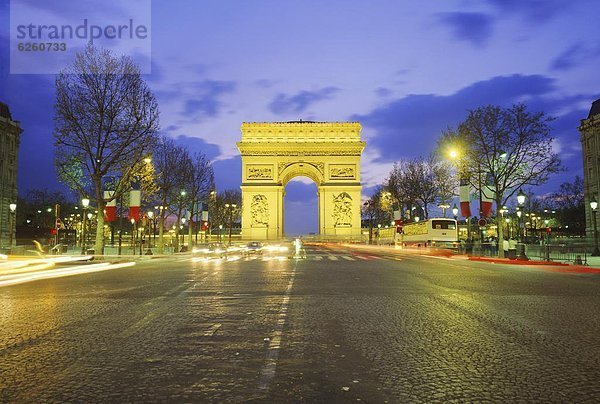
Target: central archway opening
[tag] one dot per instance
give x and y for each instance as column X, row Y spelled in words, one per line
column 301, row 208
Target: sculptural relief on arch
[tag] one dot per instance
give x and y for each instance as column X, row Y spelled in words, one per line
column 273, row 153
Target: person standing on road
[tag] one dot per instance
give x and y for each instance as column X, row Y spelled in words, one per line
column 505, row 246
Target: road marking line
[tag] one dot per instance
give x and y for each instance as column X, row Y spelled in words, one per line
column 333, row 258
column 212, row 330
column 361, row 257
column 348, row 258
column 268, row 371
column 318, row 257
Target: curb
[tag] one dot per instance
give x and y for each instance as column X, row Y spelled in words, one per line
column 517, row 261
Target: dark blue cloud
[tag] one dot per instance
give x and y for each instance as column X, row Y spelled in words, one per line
column 383, row 92
column 228, row 173
column 207, row 101
column 575, row 55
column 198, row 145
column 533, row 10
column 410, row 126
column 299, row 102
column 475, row 28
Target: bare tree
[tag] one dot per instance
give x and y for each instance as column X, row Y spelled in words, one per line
column 420, row 181
column 569, row 204
column 106, row 120
column 203, row 182
column 510, row 147
column 222, row 210
column 373, row 212
column 168, row 160
column 445, row 180
column 397, row 184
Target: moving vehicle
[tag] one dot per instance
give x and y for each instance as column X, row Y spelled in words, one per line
column 210, row 250
column 437, row 232
column 254, row 247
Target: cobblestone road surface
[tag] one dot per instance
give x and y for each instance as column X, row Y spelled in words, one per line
column 344, row 325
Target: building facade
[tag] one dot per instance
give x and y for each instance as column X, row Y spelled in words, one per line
column 10, row 137
column 590, row 147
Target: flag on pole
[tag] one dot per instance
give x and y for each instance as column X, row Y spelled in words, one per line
column 465, row 198
column 135, row 198
column 487, row 197
column 110, row 210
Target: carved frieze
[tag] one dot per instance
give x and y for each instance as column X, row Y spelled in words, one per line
column 259, row 172
column 340, row 171
column 342, row 209
column 259, row 210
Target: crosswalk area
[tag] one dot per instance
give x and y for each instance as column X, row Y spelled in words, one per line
column 310, row 256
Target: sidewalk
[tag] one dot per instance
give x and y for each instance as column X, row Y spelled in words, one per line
column 593, row 263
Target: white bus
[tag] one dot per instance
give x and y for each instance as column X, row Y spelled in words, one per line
column 439, row 232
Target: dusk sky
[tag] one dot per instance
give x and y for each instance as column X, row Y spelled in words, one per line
column 405, row 70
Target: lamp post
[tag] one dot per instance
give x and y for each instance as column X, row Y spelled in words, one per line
column 594, row 206
column 152, row 225
column 13, row 209
column 133, row 235
column 220, row 232
column 181, row 227
column 521, row 202
column 89, row 225
column 230, row 208
column 85, row 203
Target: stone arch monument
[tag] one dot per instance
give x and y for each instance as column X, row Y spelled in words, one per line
column 274, row 153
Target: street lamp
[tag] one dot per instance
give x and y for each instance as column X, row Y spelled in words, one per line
column 132, row 220
column 594, row 206
column 230, row 208
column 220, row 232
column 455, row 211
column 152, row 226
column 444, row 206
column 13, row 209
column 85, row 202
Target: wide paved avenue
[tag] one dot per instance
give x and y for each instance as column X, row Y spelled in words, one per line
column 346, row 324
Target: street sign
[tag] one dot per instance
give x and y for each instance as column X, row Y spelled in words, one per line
column 482, row 222
column 59, row 224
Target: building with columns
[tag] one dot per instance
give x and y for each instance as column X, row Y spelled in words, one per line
column 590, row 147
column 10, row 137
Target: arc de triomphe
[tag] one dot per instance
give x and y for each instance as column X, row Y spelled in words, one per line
column 274, row 153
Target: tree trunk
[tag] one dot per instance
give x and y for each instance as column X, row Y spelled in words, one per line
column 190, row 229
column 161, row 232
column 500, row 228
column 177, row 224
column 99, row 244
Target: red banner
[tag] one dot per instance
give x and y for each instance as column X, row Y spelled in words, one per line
column 134, row 213
column 110, row 213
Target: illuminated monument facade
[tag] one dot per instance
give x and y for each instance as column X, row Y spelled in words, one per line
column 275, row 153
